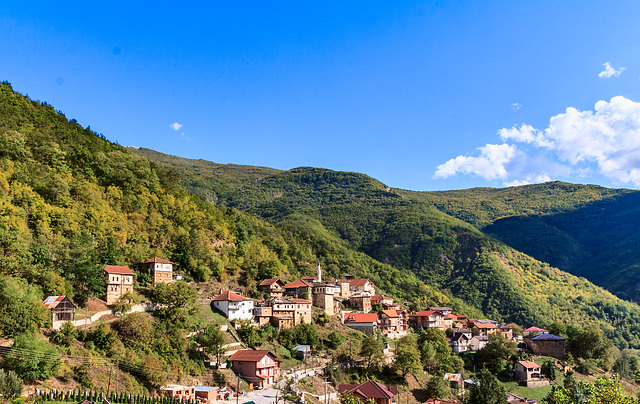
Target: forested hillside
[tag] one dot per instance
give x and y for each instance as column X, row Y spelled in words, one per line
column 586, row 230
column 410, row 233
column 71, row 202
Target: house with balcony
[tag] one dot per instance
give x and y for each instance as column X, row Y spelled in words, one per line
column 260, row 367
column 392, row 323
column 427, row 319
column 233, row 306
column 275, row 287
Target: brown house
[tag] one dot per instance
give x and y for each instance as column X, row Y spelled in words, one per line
column 119, row 282
column 370, row 389
column 298, row 288
column 275, row 287
column 261, row 367
column 62, row 309
column 485, row 329
column 361, row 301
column 548, row 345
column 161, row 271
column 393, row 323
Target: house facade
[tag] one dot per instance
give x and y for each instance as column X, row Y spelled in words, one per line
column 548, row 345
column 62, row 309
column 260, row 367
column 119, row 281
column 527, row 370
column 233, row 306
column 393, row 323
column 275, row 287
column 427, row 319
column 363, row 322
column 362, row 285
column 298, row 289
column 360, row 301
column 323, row 296
column 161, row 270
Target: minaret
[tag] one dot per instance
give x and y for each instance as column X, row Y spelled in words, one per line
column 319, row 277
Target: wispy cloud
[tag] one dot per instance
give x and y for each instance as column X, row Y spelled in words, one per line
column 175, row 126
column 610, row 71
column 516, row 106
column 604, row 141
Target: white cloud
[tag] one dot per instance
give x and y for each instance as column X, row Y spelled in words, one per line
column 610, row 71
column 490, row 165
column 516, row 106
column 175, row 126
column 605, row 141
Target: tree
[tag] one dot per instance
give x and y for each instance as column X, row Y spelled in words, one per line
column 21, row 308
column 177, row 301
column 10, row 384
column 605, row 390
column 371, row 351
column 548, row 370
column 408, row 356
column 212, row 340
column 136, row 330
column 436, row 387
column 348, row 398
column 33, row 358
column 335, row 339
column 488, row 390
column 495, row 355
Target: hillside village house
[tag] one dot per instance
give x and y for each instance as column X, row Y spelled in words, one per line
column 379, row 393
column 384, row 301
column 363, row 322
column 323, row 296
column 527, row 370
column 234, row 306
column 478, row 342
column 547, row 345
column 62, row 309
column 361, row 301
column 485, row 329
column 362, row 285
column 427, row 319
column 161, row 270
column 275, row 287
column 460, row 342
column 260, row 367
column 393, row 323
column 119, row 282
column 535, row 331
column 298, row 288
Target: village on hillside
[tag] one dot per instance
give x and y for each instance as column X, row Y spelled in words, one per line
column 355, row 304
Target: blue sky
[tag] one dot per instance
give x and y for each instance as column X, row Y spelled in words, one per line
column 420, row 95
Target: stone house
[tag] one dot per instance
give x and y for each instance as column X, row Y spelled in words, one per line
column 161, row 270
column 119, row 281
column 548, row 345
column 527, row 370
column 275, row 287
column 361, row 301
column 323, row 296
column 298, row 289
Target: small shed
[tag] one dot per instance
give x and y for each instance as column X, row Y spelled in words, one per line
column 302, row 352
column 62, row 309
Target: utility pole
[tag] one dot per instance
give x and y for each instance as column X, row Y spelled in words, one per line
column 238, row 387
column 117, row 367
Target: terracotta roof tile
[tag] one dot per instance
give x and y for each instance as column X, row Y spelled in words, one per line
column 529, row 364
column 248, row 355
column 360, row 318
column 156, row 259
column 298, row 284
column 229, row 296
column 118, row 269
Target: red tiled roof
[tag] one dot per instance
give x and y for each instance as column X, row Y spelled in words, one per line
column 308, row 278
column 300, row 301
column 391, row 313
column 529, row 364
column 229, row 296
column 424, row 313
column 535, row 329
column 361, row 317
column 379, row 297
column 118, row 269
column 248, row 355
column 298, row 284
column 269, row 282
column 156, row 259
column 359, row 282
column 484, row 325
column 370, row 389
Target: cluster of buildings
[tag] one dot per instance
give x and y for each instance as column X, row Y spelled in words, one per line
column 119, row 278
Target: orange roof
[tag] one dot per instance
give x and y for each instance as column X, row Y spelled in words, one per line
column 118, row 269
column 391, row 313
column 361, row 318
column 424, row 313
column 156, row 259
column 247, row 355
column 298, row 284
column 484, row 325
column 359, row 282
column 529, row 364
column 229, row 296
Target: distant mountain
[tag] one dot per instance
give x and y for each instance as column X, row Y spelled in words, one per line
column 410, row 231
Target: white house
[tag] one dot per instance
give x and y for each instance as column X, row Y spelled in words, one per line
column 234, row 306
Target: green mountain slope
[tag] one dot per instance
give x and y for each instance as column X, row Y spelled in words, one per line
column 71, row 202
column 587, row 230
column 407, row 232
